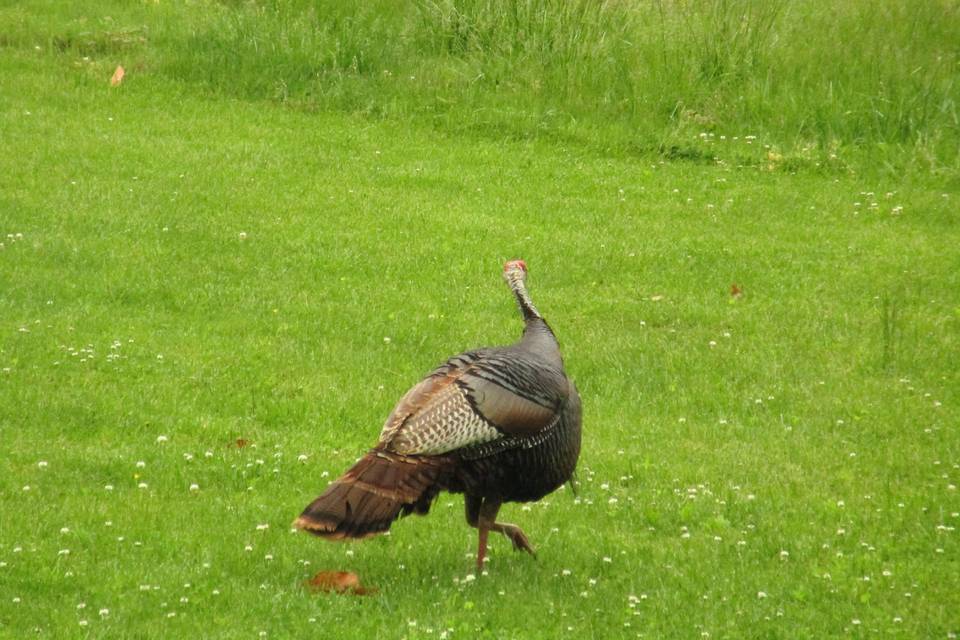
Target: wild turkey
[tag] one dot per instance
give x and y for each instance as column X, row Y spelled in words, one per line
column 498, row 425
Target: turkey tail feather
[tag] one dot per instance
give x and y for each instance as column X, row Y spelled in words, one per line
column 372, row 494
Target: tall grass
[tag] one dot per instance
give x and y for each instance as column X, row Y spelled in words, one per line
column 878, row 76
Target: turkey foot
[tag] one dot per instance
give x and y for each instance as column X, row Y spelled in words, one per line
column 482, row 514
column 516, row 535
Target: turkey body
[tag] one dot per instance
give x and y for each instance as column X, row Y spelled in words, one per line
column 499, row 425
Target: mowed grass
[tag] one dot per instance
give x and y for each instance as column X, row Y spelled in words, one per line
column 181, row 270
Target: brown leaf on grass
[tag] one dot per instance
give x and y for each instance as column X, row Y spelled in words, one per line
column 117, row 77
column 736, row 291
column 339, row 582
column 241, row 443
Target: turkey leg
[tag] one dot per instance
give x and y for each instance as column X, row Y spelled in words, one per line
column 482, row 514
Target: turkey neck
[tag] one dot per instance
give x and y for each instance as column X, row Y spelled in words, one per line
column 537, row 335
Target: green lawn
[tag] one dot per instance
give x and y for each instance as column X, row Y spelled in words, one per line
column 182, row 267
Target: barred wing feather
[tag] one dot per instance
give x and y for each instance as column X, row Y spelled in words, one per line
column 476, row 398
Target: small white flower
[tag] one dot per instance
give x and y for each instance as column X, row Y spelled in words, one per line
column 140, row 463
column 104, row 612
column 263, row 527
column 63, row 552
column 161, row 438
column 302, row 457
column 108, row 487
column 268, row 557
column 64, row 530
column 761, row 594
column 142, row 485
column 42, row 464
column 243, row 235
column 194, row 487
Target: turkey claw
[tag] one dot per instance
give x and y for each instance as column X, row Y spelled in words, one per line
column 519, row 539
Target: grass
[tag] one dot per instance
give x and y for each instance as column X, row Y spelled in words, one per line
column 190, row 260
column 864, row 86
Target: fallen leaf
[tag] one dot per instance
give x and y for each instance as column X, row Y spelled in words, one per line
column 339, row 582
column 736, row 291
column 241, row 443
column 117, row 77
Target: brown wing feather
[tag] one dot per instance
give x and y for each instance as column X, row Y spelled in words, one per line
column 463, row 404
column 511, row 413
